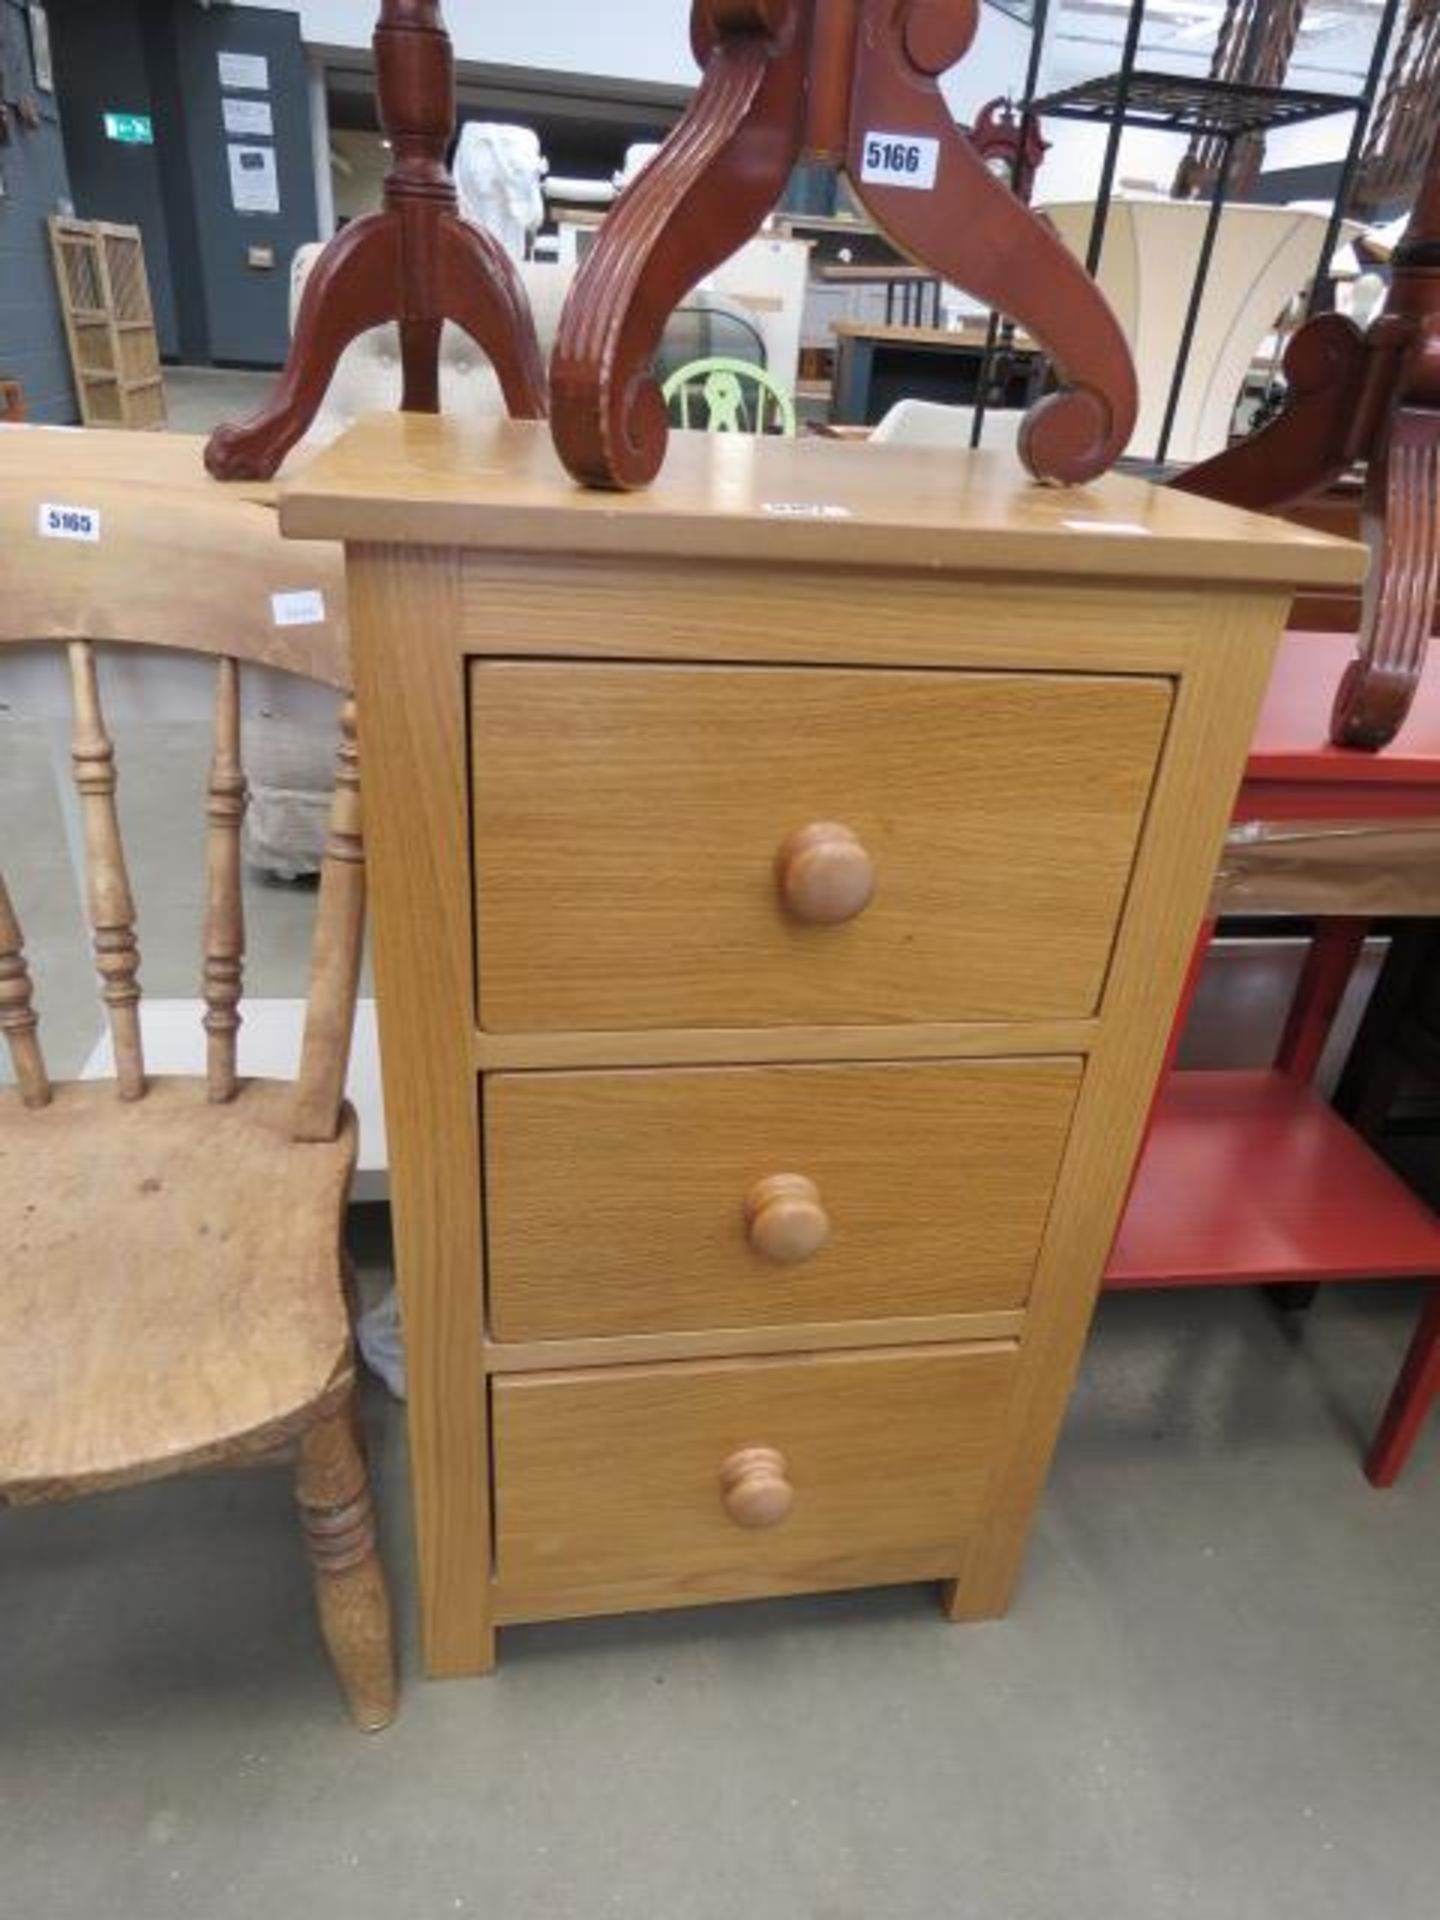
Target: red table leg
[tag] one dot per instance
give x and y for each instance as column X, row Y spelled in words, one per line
column 1415, row 1393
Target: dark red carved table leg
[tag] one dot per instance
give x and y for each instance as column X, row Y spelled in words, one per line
column 418, row 263
column 699, row 199
column 824, row 79
column 973, row 231
column 1373, row 397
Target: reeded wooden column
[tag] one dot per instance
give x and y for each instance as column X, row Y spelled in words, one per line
column 1372, row 396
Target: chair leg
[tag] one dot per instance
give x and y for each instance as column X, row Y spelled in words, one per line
column 1415, row 1393
column 338, row 1518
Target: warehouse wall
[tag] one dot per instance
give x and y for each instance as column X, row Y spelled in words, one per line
column 637, row 40
column 246, row 309
column 100, row 68
column 159, row 57
column 35, row 183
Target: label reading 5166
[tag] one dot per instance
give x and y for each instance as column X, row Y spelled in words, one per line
column 68, row 523
column 900, row 160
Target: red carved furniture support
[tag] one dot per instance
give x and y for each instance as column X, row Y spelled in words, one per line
column 854, row 83
column 1008, row 139
column 417, row 262
column 1371, row 396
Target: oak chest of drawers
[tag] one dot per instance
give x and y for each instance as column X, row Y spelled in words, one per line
column 783, row 882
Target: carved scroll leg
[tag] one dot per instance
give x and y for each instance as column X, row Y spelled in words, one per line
column 702, row 196
column 350, row 1591
column 482, row 292
column 1310, row 441
column 355, row 285
column 970, row 230
column 1402, row 525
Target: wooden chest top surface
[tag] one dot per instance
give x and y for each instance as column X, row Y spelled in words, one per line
column 432, row 481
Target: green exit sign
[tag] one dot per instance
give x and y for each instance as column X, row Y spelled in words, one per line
column 130, row 129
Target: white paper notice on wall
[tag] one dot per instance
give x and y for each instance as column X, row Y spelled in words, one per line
column 301, row 609
column 900, row 160
column 249, row 117
column 254, row 183
column 244, row 72
column 68, row 523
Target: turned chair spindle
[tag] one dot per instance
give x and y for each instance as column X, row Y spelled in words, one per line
column 18, row 1019
column 336, row 953
column 111, row 905
column 224, row 965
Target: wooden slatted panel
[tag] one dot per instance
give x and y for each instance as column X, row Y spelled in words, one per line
column 109, row 323
column 18, row 1019
column 124, row 261
column 224, row 904
column 335, row 957
column 111, row 905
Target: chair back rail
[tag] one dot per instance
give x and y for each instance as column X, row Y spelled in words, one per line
column 173, row 567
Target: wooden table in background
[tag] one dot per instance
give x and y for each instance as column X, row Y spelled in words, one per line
column 877, row 366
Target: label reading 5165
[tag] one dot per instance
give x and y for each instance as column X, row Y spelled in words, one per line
column 68, row 523
column 900, row 160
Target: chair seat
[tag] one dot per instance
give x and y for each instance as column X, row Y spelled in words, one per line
column 170, row 1289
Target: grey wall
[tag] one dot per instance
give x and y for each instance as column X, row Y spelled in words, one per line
column 246, row 313
column 100, row 61
column 159, row 57
column 32, row 167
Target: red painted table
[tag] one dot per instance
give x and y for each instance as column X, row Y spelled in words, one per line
column 1253, row 1176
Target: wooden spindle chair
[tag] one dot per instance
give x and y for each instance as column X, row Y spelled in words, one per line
column 172, row 1289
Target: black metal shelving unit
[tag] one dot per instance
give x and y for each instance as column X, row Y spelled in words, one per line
column 1226, row 110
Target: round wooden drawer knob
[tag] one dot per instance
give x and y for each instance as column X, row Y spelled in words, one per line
column 825, row 875
column 755, row 1487
column 785, row 1219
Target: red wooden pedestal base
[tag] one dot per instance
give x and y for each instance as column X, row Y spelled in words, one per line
column 855, row 83
column 417, row 263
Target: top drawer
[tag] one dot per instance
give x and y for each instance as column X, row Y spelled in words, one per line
column 642, row 860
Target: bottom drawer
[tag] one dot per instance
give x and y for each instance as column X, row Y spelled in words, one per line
column 660, row 1486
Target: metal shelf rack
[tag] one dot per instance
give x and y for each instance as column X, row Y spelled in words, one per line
column 1226, row 110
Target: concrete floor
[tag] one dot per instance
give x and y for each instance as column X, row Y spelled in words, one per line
column 1218, row 1694
column 199, row 398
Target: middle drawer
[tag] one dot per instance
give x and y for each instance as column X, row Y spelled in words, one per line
column 681, row 1200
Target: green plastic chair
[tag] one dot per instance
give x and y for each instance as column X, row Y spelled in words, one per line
column 729, row 408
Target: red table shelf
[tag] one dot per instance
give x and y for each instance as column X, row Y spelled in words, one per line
column 1252, row 1177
